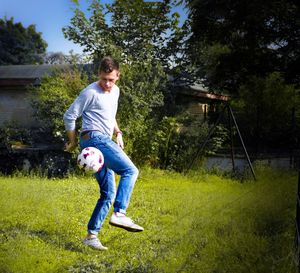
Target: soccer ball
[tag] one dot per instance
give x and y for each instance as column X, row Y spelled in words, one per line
column 90, row 159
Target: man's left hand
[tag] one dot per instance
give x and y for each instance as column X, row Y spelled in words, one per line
column 120, row 140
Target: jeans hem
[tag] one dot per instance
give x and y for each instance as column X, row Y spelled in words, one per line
column 120, row 210
column 93, row 232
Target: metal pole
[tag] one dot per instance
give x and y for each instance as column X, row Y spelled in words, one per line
column 206, row 140
column 231, row 141
column 241, row 139
column 298, row 225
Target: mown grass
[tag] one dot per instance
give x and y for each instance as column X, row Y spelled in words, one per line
column 197, row 223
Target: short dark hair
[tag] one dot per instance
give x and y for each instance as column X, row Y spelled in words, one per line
column 108, row 64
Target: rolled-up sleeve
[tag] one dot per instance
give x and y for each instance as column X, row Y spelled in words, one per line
column 75, row 110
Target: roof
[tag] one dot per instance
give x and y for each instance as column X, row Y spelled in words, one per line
column 23, row 75
column 198, row 90
column 26, row 71
column 203, row 95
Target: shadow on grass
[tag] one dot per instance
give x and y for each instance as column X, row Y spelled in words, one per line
column 58, row 240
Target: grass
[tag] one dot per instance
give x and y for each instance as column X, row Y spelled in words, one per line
column 197, row 223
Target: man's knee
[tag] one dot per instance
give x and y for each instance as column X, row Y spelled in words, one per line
column 108, row 196
column 133, row 170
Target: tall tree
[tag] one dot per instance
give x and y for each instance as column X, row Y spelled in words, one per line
column 138, row 34
column 20, row 45
column 232, row 40
column 252, row 50
column 133, row 29
column 61, row 58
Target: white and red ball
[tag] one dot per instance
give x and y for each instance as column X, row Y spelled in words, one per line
column 90, row 160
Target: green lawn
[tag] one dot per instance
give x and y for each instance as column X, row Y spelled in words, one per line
column 198, row 223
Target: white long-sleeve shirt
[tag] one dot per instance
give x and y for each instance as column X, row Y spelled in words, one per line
column 97, row 108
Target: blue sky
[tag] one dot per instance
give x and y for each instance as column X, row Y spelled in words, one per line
column 49, row 17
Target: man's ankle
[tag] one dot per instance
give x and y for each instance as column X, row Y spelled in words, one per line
column 91, row 236
column 117, row 213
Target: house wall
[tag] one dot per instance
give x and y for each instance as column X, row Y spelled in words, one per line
column 15, row 107
column 198, row 109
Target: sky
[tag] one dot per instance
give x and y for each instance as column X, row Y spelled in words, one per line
column 49, row 17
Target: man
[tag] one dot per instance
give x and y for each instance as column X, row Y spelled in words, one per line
column 97, row 104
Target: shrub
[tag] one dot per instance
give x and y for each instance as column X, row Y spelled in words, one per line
column 150, row 137
column 173, row 142
column 53, row 97
column 265, row 110
column 141, row 85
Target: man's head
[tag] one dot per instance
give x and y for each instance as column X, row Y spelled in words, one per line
column 108, row 73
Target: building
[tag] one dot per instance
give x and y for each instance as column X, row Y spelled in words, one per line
column 15, row 84
column 16, row 111
column 197, row 100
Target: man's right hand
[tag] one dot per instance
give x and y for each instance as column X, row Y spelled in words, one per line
column 72, row 144
column 70, row 147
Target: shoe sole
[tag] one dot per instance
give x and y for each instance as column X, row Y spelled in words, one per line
column 96, row 248
column 131, row 229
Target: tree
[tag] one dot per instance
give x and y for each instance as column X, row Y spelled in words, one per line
column 265, row 112
column 130, row 30
column 251, row 49
column 55, row 58
column 137, row 33
column 61, row 58
column 53, row 97
column 19, row 45
column 232, row 40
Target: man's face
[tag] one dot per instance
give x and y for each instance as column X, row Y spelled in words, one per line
column 107, row 80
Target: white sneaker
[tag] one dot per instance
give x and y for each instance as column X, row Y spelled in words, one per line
column 122, row 221
column 94, row 243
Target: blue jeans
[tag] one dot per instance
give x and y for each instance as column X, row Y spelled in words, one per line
column 115, row 160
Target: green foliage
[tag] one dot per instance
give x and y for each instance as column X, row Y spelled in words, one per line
column 180, row 138
column 209, row 56
column 55, row 58
column 12, row 134
column 146, row 38
column 19, row 45
column 141, row 85
column 134, row 30
column 173, row 142
column 54, row 96
column 269, row 118
column 260, row 37
column 196, row 223
column 150, row 138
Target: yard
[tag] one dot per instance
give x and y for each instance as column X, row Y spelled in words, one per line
column 198, row 223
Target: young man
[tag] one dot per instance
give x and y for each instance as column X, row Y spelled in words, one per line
column 97, row 104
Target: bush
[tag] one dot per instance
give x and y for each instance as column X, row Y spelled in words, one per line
column 53, row 97
column 173, row 142
column 265, row 110
column 141, row 85
column 150, row 137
